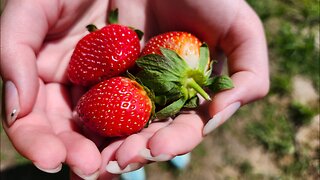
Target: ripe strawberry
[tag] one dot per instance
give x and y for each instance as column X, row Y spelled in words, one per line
column 183, row 43
column 103, row 53
column 180, row 67
column 115, row 107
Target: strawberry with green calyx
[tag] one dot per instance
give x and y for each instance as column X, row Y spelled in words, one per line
column 115, row 107
column 103, row 53
column 169, row 76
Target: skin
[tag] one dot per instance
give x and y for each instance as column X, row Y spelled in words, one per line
column 37, row 40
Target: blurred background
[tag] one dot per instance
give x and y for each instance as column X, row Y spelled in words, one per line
column 274, row 138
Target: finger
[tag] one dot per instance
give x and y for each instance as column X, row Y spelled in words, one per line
column 80, row 150
column 20, row 41
column 83, row 156
column 34, row 138
column 108, row 155
column 245, row 47
column 127, row 156
column 129, row 151
column 74, row 176
column 180, row 137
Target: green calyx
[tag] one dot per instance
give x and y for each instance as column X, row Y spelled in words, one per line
column 113, row 16
column 113, row 19
column 91, row 27
column 175, row 84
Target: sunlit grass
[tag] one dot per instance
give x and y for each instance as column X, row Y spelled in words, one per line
column 292, row 29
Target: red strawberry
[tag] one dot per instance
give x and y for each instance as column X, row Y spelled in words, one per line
column 183, row 43
column 103, row 53
column 180, row 67
column 115, row 107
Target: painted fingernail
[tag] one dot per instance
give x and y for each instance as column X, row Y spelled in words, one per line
column 220, row 117
column 80, row 173
column 114, row 168
column 55, row 170
column 146, row 153
column 12, row 105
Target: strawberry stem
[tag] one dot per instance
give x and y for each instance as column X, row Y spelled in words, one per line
column 194, row 85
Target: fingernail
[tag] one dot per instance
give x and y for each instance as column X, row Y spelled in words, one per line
column 55, row 170
column 114, row 168
column 181, row 161
column 220, row 117
column 80, row 173
column 12, row 106
column 146, row 153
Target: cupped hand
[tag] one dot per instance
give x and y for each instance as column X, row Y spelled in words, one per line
column 232, row 30
column 37, row 39
column 36, row 45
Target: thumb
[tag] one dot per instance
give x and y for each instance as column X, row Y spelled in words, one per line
column 21, row 39
column 20, row 87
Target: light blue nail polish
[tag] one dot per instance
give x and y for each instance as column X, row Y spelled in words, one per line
column 134, row 175
column 181, row 162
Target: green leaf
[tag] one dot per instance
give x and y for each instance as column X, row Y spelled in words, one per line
column 221, row 83
column 192, row 103
column 113, row 16
column 208, row 73
column 177, row 62
column 177, row 65
column 153, row 80
column 204, row 58
column 158, row 63
column 161, row 100
column 171, row 109
column 171, row 96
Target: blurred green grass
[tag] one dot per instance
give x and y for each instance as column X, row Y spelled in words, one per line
column 292, row 29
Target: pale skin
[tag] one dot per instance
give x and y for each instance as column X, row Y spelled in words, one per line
column 38, row 37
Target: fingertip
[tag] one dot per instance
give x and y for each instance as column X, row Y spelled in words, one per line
column 53, row 170
column 128, row 152
column 83, row 156
column 20, row 71
column 19, row 98
column 220, row 117
column 180, row 137
column 12, row 104
column 248, row 87
column 47, row 153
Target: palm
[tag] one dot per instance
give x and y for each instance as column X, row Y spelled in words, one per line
column 56, row 99
column 49, row 125
column 48, row 135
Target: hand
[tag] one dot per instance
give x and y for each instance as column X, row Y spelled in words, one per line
column 229, row 26
column 37, row 39
column 39, row 94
